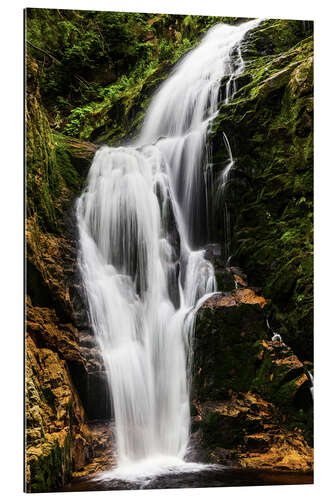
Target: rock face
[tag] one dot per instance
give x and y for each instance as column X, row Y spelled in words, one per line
column 58, row 440
column 251, row 395
column 62, row 359
column 104, row 450
column 269, row 124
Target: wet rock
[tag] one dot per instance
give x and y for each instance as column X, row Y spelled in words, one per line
column 57, row 438
column 235, row 298
column 227, row 327
column 104, row 449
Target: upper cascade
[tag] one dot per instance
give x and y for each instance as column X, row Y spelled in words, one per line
column 181, row 113
column 189, row 96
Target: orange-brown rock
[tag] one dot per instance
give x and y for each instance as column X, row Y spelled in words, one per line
column 245, row 431
column 237, row 297
column 44, row 326
column 104, row 450
column 54, row 258
column 58, row 439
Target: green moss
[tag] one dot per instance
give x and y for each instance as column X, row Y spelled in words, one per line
column 51, row 470
column 227, row 431
column 233, row 331
column 50, row 171
column 97, row 69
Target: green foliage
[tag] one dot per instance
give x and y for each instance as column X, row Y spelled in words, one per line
column 94, row 65
column 72, row 46
column 50, row 172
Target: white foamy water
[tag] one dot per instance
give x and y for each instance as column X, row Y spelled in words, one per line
column 220, row 195
column 141, row 222
column 142, row 472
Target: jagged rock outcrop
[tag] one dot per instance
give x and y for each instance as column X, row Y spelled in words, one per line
column 245, row 431
column 104, row 450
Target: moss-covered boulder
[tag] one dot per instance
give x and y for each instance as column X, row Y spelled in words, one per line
column 227, row 327
column 233, row 356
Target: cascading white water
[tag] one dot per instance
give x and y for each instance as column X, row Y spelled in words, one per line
column 312, row 384
column 140, row 223
column 220, row 196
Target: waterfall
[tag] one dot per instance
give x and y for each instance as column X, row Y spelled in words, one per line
column 142, row 222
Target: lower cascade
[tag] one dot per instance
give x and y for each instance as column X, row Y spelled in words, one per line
column 142, row 225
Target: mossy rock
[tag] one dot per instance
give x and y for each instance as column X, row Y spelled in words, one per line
column 52, row 469
column 225, row 431
column 223, row 350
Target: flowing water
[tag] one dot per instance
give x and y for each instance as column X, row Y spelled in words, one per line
column 142, row 223
column 221, row 199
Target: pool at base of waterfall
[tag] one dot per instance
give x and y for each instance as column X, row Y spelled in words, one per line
column 188, row 475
